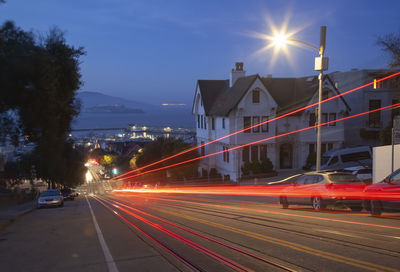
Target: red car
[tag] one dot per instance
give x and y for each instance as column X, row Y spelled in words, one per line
column 384, row 195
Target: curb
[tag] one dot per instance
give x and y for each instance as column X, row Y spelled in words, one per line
column 15, row 218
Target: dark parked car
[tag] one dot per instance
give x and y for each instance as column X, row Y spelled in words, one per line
column 67, row 194
column 320, row 189
column 384, row 195
column 50, row 198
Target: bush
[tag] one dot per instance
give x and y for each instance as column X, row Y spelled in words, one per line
column 310, row 161
column 256, row 167
column 266, row 165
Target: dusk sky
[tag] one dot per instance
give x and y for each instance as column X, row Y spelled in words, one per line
column 155, row 51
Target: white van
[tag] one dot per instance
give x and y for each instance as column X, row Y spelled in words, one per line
column 347, row 157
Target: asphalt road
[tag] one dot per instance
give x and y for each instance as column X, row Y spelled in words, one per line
column 160, row 232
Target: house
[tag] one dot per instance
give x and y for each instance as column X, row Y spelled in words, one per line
column 365, row 129
column 222, row 107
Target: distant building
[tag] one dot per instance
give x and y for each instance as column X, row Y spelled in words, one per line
column 222, row 107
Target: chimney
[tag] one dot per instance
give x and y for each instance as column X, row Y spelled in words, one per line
column 237, row 73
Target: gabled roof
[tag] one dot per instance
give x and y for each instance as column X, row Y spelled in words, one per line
column 289, row 93
column 210, row 90
column 230, row 97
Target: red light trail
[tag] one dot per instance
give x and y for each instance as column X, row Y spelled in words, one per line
column 260, row 141
column 202, row 236
column 228, row 262
column 274, row 212
column 260, row 124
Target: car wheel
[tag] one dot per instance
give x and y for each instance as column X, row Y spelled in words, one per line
column 376, row 207
column 356, row 208
column 284, row 202
column 317, row 203
column 367, row 205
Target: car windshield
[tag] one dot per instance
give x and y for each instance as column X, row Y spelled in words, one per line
column 343, row 178
column 50, row 193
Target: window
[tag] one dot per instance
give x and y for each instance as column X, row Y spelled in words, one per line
column 246, row 123
column 201, row 118
column 245, row 154
column 205, row 122
column 312, row 120
column 223, row 153
column 223, row 122
column 332, row 117
column 254, row 153
column 203, row 149
column 324, row 118
column 311, row 148
column 377, row 85
column 263, row 152
column 357, row 156
column 198, row 121
column 374, row 118
column 256, row 96
column 330, row 146
column 334, row 160
column 256, row 121
column 323, row 148
column 212, row 123
column 264, row 127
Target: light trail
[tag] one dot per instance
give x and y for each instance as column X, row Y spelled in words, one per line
column 226, row 261
column 260, row 141
column 162, row 245
column 205, row 237
column 260, row 124
column 274, row 212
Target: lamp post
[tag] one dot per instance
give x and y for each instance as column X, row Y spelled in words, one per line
column 321, row 64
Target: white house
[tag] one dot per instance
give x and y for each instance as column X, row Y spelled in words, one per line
column 222, row 107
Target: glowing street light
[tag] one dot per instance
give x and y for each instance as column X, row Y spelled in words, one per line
column 321, row 64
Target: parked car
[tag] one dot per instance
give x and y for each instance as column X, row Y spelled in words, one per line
column 364, row 174
column 320, row 189
column 346, row 157
column 67, row 194
column 384, row 195
column 75, row 193
column 50, row 198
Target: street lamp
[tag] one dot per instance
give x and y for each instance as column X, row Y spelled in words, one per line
column 321, row 64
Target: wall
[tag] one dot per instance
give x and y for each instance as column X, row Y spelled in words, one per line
column 382, row 161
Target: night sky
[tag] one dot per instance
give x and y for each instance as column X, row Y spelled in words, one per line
column 154, row 51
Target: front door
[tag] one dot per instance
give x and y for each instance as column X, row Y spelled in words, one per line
column 286, row 156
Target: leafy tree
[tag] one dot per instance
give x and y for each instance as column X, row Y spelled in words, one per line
column 164, row 147
column 39, row 77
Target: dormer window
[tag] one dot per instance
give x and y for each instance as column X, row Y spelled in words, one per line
column 256, row 96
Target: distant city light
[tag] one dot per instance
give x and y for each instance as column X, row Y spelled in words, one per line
column 169, row 104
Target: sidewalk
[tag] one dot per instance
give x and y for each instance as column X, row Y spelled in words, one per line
column 11, row 213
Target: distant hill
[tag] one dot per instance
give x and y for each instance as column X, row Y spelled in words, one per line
column 96, row 99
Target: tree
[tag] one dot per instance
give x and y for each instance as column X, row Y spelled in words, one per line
column 39, row 77
column 390, row 43
column 164, row 147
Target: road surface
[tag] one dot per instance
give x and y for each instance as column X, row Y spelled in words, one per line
column 167, row 232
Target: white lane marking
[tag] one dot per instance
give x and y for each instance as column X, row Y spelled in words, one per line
column 107, row 254
column 339, row 233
